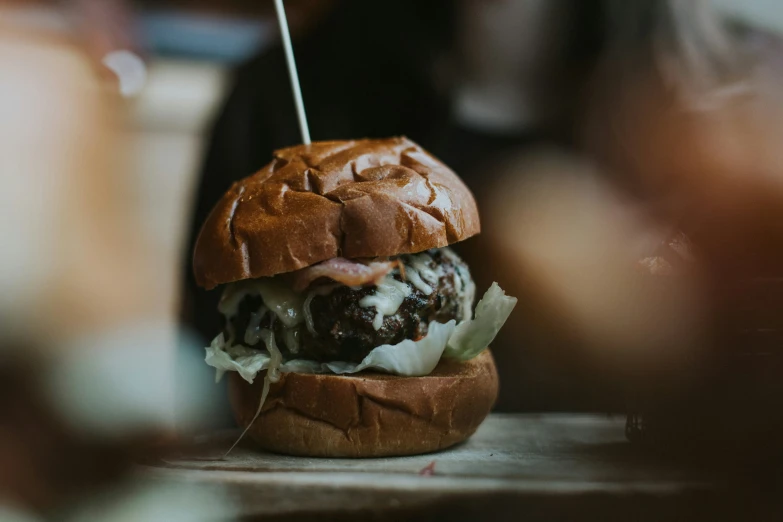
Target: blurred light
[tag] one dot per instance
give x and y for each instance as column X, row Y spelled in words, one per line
column 130, row 70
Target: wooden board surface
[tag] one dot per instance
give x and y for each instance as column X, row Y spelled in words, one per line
column 513, row 461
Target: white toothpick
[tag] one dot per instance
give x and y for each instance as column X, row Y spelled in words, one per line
column 289, row 55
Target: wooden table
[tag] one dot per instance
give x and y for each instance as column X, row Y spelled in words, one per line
column 517, row 467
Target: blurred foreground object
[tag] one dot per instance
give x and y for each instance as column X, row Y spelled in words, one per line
column 71, row 245
column 570, row 243
column 689, row 116
column 87, row 344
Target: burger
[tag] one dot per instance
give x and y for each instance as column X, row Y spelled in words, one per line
column 350, row 328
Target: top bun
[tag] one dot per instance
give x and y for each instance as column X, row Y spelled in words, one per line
column 362, row 198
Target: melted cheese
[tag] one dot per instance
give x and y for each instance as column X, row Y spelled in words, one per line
column 229, row 301
column 229, row 306
column 320, row 290
column 414, row 278
column 292, row 340
column 388, row 296
column 308, row 314
column 293, row 309
column 422, row 263
column 253, row 332
column 420, row 273
column 283, row 302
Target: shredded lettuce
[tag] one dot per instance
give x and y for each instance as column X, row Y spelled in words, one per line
column 248, row 362
column 408, row 358
column 237, row 358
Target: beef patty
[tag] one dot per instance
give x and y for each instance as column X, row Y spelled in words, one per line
column 343, row 330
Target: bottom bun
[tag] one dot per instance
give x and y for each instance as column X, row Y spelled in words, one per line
column 368, row 414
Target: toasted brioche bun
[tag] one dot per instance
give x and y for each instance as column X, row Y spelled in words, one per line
column 355, row 199
column 368, row 414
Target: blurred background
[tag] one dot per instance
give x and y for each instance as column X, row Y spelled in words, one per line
column 624, row 156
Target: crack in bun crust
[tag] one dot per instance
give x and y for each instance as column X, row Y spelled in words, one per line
column 355, row 199
column 368, row 414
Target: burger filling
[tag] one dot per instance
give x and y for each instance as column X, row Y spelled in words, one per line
column 341, row 310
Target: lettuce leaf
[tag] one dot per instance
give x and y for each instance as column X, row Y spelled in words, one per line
column 472, row 337
column 408, row 358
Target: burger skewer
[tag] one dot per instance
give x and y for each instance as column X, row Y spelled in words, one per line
column 292, row 72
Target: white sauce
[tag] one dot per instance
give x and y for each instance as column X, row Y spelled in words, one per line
column 422, row 264
column 419, row 272
column 413, row 277
column 386, row 300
